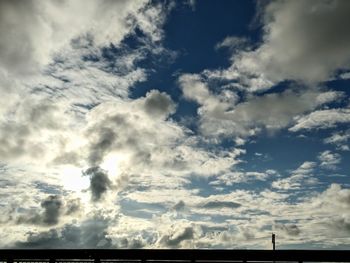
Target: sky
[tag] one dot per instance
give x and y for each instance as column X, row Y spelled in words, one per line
column 175, row 124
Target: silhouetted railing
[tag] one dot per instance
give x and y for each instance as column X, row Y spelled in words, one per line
column 169, row 256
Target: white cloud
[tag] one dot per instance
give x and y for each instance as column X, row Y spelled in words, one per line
column 339, row 139
column 329, row 160
column 300, row 177
column 36, row 31
column 75, row 114
column 345, row 75
column 50, row 94
column 220, row 114
column 232, row 178
column 321, row 119
column 232, row 43
column 303, row 41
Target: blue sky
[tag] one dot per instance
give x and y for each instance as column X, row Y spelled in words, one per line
column 174, row 124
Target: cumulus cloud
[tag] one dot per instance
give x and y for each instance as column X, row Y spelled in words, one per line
column 303, row 41
column 43, row 114
column 73, row 128
column 158, row 104
column 336, row 195
column 177, row 236
column 143, row 132
column 91, row 233
column 99, row 182
column 220, row 114
column 52, row 206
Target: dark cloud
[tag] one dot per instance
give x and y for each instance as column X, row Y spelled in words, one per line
column 47, row 239
column 289, row 229
column 72, row 206
column 99, row 182
column 91, row 233
column 247, row 233
column 29, row 218
column 131, row 127
column 220, row 204
column 117, row 131
column 175, row 239
column 158, row 104
column 105, row 141
column 130, row 243
column 52, row 208
column 340, row 224
column 179, row 206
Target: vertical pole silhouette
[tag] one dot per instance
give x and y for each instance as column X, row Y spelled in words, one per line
column 273, row 243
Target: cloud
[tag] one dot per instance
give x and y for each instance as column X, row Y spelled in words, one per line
column 177, row 237
column 67, row 108
column 91, row 233
column 191, row 3
column 236, row 177
column 345, row 75
column 300, row 177
column 336, row 195
column 220, row 204
column 73, row 206
column 99, row 182
column 142, row 133
column 340, row 224
column 35, row 32
column 321, row 119
column 339, row 139
column 305, row 220
column 329, row 160
column 233, row 43
column 303, row 41
column 52, row 206
column 52, row 209
column 289, row 229
column 179, row 206
column 33, row 122
column 221, row 115
column 49, row 89
column 158, row 104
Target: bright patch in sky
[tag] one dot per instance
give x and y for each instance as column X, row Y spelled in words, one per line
column 174, row 124
column 72, row 179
